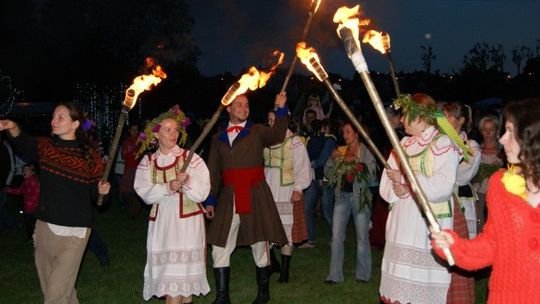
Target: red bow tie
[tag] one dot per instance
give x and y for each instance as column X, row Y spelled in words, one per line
column 234, row 129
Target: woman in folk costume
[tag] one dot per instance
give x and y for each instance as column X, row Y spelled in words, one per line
column 509, row 241
column 175, row 265
column 462, row 288
column 350, row 170
column 410, row 272
column 287, row 172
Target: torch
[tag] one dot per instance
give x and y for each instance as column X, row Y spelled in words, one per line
column 253, row 79
column 140, row 84
column 312, row 10
column 309, row 57
column 348, row 30
column 381, row 42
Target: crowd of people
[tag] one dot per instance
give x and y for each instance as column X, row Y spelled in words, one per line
column 263, row 185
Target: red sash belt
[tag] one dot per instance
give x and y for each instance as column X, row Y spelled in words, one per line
column 242, row 180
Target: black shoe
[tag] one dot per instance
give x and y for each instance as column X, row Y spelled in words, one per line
column 330, row 282
column 284, row 273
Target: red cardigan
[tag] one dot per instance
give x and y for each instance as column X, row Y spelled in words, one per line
column 510, row 243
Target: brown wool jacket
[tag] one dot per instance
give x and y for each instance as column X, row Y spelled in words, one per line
column 263, row 223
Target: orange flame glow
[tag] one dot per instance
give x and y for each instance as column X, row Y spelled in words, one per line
column 349, row 18
column 316, row 4
column 252, row 80
column 378, row 40
column 309, row 57
column 144, row 83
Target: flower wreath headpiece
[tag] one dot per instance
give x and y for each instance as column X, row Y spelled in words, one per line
column 411, row 110
column 147, row 139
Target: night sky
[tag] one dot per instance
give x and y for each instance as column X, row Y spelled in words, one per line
column 236, row 34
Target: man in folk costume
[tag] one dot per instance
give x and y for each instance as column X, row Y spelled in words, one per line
column 288, row 173
column 240, row 204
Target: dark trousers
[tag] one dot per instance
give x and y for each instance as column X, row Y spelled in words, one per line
column 98, row 247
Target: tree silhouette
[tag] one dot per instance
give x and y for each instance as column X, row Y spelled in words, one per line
column 427, row 57
column 520, row 55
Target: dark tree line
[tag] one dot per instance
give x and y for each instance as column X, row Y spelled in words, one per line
column 49, row 45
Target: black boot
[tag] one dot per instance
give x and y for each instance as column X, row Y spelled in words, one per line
column 285, row 263
column 263, row 278
column 222, row 285
column 274, row 264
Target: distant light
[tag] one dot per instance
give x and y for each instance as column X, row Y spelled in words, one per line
column 427, row 36
column 311, row 77
column 222, row 78
column 451, row 77
column 340, row 80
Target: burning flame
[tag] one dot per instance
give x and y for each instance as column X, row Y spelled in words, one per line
column 378, row 40
column 309, row 57
column 280, row 55
column 350, row 18
column 143, row 83
column 253, row 79
column 315, row 5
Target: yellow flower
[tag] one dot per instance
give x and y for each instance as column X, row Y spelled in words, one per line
column 514, row 182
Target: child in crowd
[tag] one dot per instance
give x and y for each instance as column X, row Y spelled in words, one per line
column 30, row 190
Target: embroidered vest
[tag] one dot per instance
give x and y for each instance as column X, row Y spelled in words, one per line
column 422, row 163
column 280, row 156
column 163, row 175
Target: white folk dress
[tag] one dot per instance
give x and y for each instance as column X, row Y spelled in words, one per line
column 282, row 190
column 410, row 273
column 466, row 171
column 176, row 263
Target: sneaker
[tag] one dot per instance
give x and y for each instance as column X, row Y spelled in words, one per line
column 307, row 245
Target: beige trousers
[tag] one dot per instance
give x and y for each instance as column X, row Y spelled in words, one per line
column 222, row 255
column 58, row 259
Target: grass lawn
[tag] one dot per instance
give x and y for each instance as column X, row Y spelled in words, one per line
column 122, row 281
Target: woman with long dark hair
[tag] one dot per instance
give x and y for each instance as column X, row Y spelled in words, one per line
column 70, row 172
column 510, row 241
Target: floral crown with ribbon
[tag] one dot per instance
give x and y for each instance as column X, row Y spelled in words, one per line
column 412, row 110
column 147, row 139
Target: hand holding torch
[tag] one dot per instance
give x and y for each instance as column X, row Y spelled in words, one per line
column 140, row 84
column 348, row 30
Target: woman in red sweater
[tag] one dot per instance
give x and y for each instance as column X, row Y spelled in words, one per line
column 510, row 241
